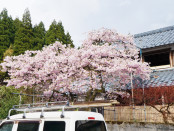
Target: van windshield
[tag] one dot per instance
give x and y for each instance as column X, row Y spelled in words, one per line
column 90, row 125
column 28, row 126
column 7, row 126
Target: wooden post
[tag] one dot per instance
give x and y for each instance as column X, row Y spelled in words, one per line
column 172, row 53
column 143, row 60
column 171, row 58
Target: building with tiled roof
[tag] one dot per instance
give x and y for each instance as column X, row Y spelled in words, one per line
column 157, row 47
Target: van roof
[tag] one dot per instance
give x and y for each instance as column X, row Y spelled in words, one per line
column 73, row 115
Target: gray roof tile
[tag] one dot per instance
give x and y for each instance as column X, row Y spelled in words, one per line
column 159, row 37
column 158, row 78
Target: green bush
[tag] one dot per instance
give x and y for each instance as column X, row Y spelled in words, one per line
column 7, row 100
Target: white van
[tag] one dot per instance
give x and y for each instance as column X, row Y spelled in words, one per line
column 54, row 121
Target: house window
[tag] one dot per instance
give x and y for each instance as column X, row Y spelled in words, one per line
column 157, row 59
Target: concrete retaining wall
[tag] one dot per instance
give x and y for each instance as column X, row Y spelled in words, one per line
column 139, row 127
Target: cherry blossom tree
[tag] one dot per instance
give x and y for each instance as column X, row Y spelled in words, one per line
column 105, row 61
column 110, row 58
column 49, row 70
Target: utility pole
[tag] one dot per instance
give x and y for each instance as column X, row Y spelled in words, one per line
column 144, row 103
column 132, row 88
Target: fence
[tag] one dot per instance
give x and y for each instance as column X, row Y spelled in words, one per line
column 138, row 114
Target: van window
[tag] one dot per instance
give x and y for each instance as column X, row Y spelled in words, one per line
column 89, row 125
column 7, row 126
column 54, row 126
column 28, row 126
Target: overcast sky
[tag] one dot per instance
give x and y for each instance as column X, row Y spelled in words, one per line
column 81, row 16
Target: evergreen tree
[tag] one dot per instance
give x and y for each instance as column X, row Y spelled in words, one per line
column 39, row 36
column 24, row 35
column 69, row 41
column 6, row 32
column 17, row 24
column 51, row 34
column 56, row 32
column 61, row 32
column 27, row 19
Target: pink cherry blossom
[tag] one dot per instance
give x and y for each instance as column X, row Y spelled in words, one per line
column 105, row 60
